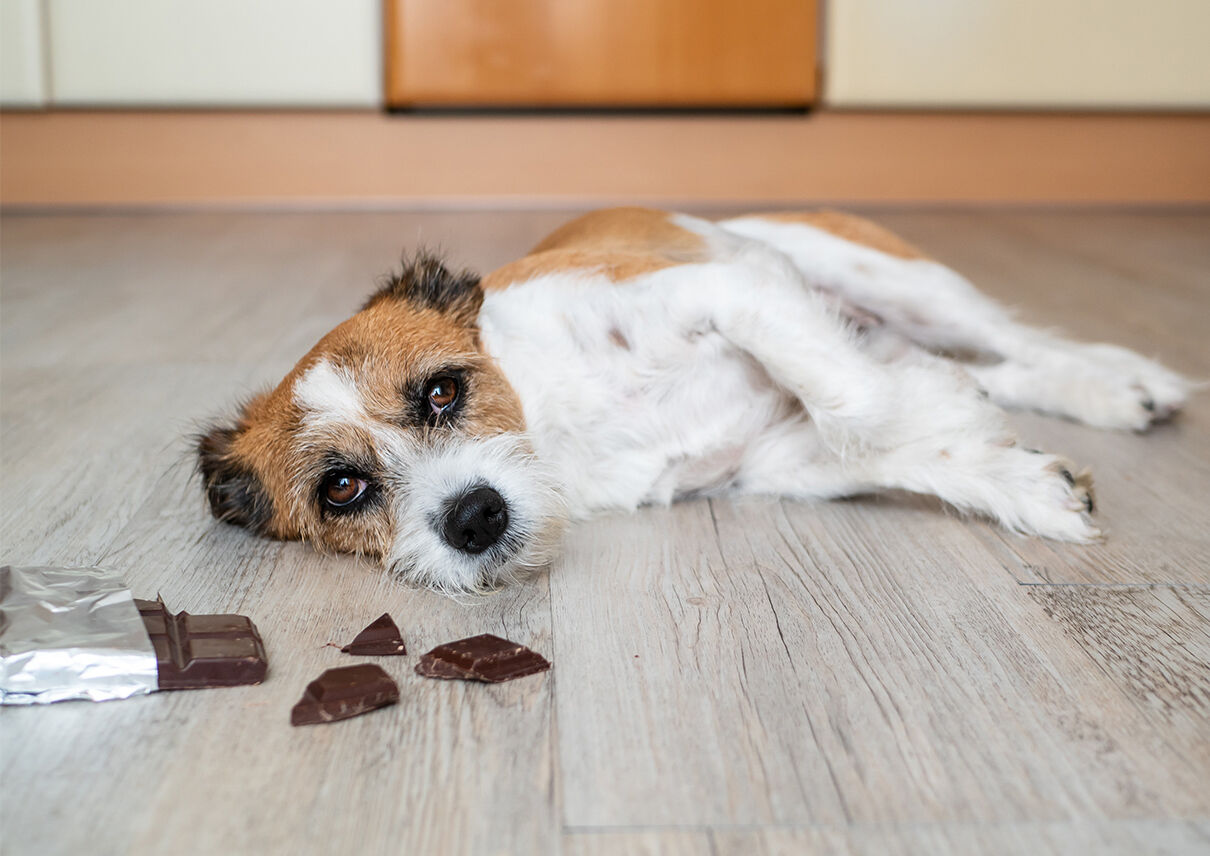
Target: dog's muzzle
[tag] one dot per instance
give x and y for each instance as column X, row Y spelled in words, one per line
column 475, row 520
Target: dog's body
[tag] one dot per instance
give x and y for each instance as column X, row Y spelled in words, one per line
column 637, row 357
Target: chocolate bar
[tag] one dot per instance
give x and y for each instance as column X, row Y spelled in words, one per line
column 199, row 651
column 341, row 693
column 481, row 658
column 381, row 638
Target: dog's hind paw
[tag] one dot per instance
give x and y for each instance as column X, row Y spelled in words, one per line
column 1119, row 389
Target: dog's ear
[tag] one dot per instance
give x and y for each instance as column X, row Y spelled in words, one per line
column 426, row 283
column 235, row 492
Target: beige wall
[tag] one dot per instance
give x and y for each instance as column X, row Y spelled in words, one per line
column 1005, row 53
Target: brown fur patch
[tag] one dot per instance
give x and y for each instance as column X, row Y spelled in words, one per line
column 617, row 266
column 627, row 229
column 850, row 227
column 388, row 348
column 621, row 243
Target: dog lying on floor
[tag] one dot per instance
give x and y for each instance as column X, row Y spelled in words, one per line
column 453, row 425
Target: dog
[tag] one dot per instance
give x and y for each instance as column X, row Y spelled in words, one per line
column 453, row 426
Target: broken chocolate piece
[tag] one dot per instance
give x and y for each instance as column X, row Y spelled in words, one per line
column 344, row 692
column 381, row 638
column 481, row 658
column 200, row 651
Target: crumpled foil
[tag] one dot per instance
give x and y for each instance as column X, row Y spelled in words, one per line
column 71, row 633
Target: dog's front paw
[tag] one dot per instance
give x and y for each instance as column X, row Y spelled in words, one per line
column 1055, row 500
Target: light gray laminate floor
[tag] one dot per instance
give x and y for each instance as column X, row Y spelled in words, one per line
column 873, row 676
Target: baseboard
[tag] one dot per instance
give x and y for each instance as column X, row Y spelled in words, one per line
column 374, row 160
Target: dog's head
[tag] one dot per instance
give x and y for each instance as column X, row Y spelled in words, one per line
column 396, row 437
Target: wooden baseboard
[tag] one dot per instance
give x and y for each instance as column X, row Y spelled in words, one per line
column 372, row 159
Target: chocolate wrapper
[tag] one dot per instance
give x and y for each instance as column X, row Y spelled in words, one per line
column 70, row 633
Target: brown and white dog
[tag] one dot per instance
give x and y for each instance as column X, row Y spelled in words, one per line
column 453, row 425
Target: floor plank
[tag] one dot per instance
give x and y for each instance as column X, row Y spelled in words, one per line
column 1119, row 838
column 1154, row 643
column 703, row 729
column 647, row 843
column 1057, row 838
column 82, row 450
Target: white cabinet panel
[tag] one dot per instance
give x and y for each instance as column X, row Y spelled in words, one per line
column 1046, row 53
column 216, row 52
column 22, row 82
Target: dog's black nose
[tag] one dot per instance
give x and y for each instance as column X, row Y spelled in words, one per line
column 475, row 520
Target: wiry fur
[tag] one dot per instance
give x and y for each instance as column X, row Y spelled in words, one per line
column 430, row 475
column 425, row 281
column 233, row 490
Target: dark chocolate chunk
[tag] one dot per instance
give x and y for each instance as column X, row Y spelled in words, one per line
column 344, row 692
column 481, row 658
column 380, row 638
column 199, row 651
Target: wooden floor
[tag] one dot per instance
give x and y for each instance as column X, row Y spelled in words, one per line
column 758, row 677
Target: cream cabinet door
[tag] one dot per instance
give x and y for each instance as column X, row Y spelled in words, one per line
column 22, row 80
column 1018, row 53
column 217, row 53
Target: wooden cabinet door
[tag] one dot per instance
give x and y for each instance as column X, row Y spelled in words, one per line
column 601, row 52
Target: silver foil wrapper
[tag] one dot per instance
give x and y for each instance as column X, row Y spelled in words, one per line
column 70, row 633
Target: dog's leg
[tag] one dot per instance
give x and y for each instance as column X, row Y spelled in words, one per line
column 1030, row 492
column 917, row 423
column 1100, row 385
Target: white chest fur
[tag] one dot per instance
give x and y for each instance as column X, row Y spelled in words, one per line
column 630, row 400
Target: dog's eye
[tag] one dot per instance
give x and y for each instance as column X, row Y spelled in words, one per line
column 341, row 489
column 442, row 393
